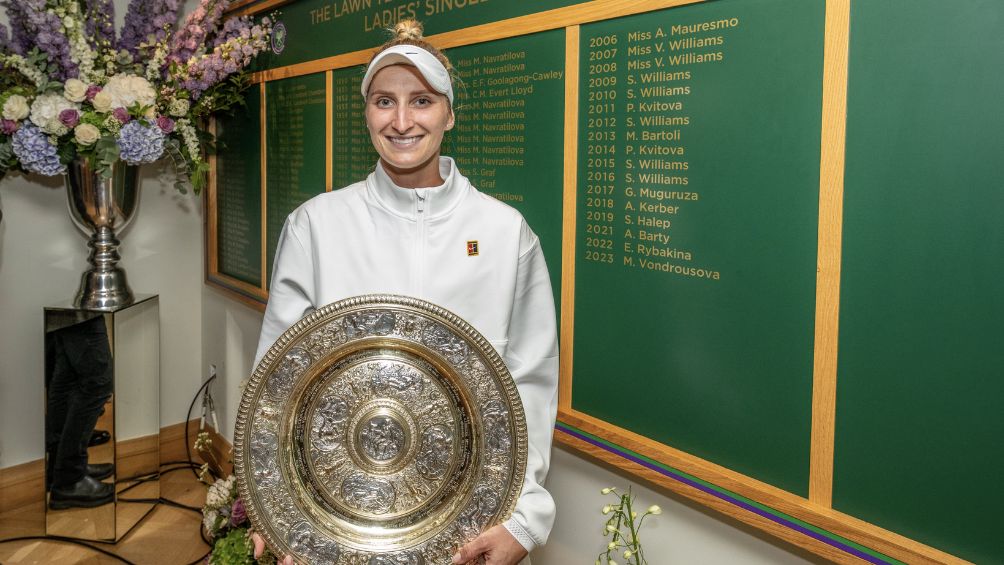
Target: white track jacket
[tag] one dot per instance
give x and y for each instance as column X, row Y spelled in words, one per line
column 375, row 237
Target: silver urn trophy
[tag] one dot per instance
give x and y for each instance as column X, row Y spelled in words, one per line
column 101, row 207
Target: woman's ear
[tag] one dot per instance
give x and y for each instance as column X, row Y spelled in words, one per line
column 450, row 121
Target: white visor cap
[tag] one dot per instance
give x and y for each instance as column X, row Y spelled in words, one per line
column 434, row 72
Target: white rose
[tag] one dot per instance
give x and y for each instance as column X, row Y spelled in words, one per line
column 86, row 134
column 179, row 107
column 45, row 112
column 151, row 113
column 16, row 108
column 102, row 102
column 75, row 90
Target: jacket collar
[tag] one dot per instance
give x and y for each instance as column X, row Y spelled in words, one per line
column 434, row 201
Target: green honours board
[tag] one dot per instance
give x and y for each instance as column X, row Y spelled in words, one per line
column 322, row 28
column 352, row 153
column 508, row 134
column 295, row 143
column 696, row 234
column 920, row 396
column 238, row 193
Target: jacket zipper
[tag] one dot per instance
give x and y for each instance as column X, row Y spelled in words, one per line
column 419, row 269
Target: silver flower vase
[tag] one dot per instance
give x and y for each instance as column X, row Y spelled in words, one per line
column 101, row 207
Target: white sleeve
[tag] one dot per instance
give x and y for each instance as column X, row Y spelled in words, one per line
column 291, row 293
column 532, row 358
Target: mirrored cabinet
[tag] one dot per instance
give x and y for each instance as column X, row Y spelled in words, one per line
column 102, row 419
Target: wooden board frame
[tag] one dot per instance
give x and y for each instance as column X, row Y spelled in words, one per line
column 810, row 523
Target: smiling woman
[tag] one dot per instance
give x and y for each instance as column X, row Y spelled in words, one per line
column 417, row 227
column 406, row 121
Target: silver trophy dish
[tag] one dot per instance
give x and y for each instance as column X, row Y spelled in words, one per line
column 379, row 430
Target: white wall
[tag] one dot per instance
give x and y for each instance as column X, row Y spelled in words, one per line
column 41, row 258
column 685, row 533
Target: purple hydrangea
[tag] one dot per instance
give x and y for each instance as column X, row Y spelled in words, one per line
column 140, row 143
column 36, row 154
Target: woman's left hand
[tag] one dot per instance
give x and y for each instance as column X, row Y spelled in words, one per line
column 496, row 545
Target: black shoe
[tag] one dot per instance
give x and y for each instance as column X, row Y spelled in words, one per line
column 100, row 470
column 98, row 437
column 85, row 493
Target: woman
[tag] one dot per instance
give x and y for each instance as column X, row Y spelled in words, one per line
column 416, row 227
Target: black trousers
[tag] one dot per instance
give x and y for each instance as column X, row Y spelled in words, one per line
column 78, row 384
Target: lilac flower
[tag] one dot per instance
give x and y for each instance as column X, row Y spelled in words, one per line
column 36, row 154
column 17, row 15
column 145, row 20
column 238, row 514
column 32, row 26
column 91, row 91
column 100, row 18
column 4, row 40
column 121, row 114
column 165, row 124
column 200, row 25
column 226, row 58
column 69, row 117
column 140, row 143
column 8, row 126
column 233, row 27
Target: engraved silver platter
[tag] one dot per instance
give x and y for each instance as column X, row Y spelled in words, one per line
column 379, row 430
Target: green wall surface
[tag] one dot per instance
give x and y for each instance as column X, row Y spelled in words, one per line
column 920, row 386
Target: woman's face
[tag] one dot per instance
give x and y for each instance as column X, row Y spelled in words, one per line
column 406, row 120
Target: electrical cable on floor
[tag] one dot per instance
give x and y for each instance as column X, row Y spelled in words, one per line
column 148, row 478
column 190, row 464
column 188, row 417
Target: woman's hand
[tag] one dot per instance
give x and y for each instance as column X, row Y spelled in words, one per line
column 496, row 545
column 259, row 549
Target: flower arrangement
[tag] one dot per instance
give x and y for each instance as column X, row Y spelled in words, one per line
column 622, row 527
column 225, row 521
column 70, row 89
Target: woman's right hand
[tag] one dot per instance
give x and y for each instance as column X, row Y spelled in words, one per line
column 259, row 549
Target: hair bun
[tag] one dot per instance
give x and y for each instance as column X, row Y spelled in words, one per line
column 408, row 29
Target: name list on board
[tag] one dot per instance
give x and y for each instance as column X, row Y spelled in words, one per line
column 637, row 178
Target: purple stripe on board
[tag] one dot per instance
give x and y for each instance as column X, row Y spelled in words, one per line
column 746, row 506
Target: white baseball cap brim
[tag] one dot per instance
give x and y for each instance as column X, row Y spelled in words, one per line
column 434, row 72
